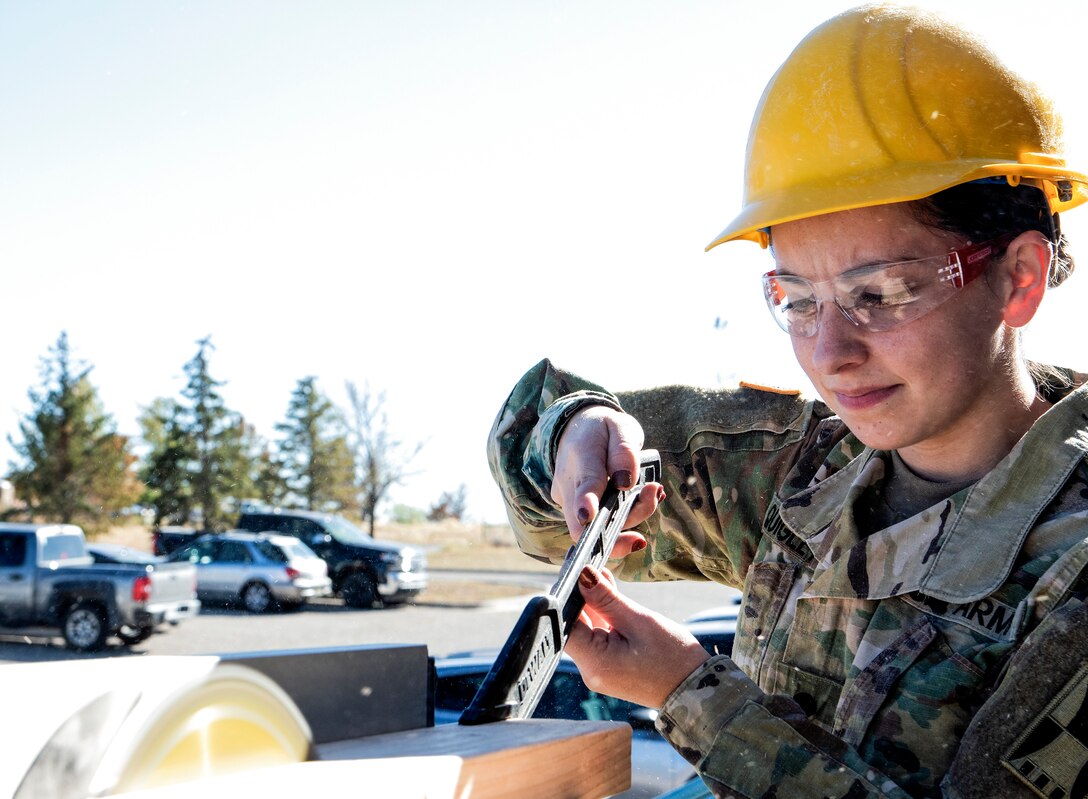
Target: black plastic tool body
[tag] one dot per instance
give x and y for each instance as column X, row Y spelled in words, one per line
column 528, row 659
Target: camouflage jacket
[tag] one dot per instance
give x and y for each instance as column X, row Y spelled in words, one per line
column 942, row 656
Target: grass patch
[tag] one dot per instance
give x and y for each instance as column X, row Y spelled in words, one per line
column 464, row 593
column 489, row 558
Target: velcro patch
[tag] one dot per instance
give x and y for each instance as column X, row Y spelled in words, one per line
column 774, row 526
column 989, row 615
column 1051, row 756
column 1042, row 691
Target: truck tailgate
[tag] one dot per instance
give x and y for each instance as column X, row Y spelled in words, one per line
column 173, row 582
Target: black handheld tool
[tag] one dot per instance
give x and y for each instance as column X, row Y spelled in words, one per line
column 513, row 687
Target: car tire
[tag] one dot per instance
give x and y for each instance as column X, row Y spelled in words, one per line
column 134, row 635
column 256, row 598
column 359, row 591
column 85, row 627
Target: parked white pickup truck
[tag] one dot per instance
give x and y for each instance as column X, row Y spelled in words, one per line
column 48, row 579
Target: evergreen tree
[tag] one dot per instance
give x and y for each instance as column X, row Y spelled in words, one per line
column 203, row 457
column 165, row 472
column 316, row 459
column 240, row 454
column 75, row 467
column 269, row 485
column 222, row 444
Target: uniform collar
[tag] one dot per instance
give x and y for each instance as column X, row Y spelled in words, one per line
column 961, row 549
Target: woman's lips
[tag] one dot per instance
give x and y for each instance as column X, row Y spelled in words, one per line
column 860, row 399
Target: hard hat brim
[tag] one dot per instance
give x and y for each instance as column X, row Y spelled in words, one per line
column 869, row 189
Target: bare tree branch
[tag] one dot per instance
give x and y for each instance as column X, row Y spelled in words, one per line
column 381, row 460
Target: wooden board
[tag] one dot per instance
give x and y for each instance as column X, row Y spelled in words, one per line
column 547, row 758
column 528, row 759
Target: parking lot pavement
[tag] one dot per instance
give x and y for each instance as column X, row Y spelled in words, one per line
column 328, row 623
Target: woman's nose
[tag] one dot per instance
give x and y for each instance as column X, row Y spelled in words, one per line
column 838, row 341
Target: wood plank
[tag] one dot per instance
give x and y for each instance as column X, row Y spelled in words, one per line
column 526, row 759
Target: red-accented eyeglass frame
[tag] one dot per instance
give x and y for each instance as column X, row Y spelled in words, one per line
column 964, row 264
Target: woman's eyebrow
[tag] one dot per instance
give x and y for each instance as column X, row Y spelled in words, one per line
column 895, row 259
column 785, row 271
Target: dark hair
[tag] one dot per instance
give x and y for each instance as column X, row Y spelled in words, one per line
column 982, row 210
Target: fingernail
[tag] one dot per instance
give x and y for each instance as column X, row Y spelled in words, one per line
column 583, row 516
column 587, row 579
column 638, row 546
column 661, row 495
column 622, row 479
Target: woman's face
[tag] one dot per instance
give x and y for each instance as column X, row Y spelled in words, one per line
column 929, row 383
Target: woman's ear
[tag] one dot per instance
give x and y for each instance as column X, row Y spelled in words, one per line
column 1025, row 268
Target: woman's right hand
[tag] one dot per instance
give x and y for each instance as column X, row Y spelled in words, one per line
column 599, row 444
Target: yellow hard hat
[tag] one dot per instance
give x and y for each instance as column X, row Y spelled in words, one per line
column 885, row 104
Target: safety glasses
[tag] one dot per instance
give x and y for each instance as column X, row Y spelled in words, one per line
column 879, row 297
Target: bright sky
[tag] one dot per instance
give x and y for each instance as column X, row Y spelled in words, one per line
column 425, row 195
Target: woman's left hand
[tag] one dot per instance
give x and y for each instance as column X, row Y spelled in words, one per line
column 625, row 650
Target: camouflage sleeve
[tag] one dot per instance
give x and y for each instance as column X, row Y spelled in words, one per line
column 745, row 743
column 723, row 455
column 1028, row 739
column 521, row 450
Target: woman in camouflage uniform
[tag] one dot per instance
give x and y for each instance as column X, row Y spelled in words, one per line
column 912, row 549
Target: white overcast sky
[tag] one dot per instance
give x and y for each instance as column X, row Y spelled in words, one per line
column 425, row 195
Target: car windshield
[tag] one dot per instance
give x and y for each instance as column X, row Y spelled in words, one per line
column 344, row 531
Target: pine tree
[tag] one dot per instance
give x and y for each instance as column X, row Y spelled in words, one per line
column 316, row 460
column 240, row 451
column 269, row 485
column 75, row 467
column 165, row 471
column 222, row 464
column 203, row 457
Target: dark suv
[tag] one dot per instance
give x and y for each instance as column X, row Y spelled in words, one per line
column 365, row 572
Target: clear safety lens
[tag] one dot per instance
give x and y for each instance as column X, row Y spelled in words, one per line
column 879, row 297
